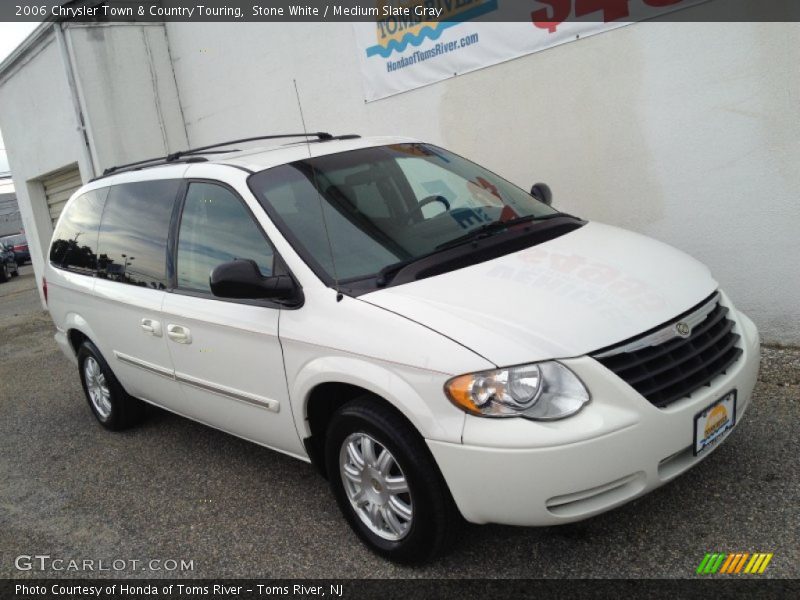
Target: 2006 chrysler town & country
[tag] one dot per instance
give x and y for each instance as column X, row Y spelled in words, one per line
column 436, row 340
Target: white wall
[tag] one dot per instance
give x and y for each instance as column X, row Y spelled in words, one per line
column 127, row 94
column 684, row 131
column 41, row 136
column 688, row 132
column 128, row 91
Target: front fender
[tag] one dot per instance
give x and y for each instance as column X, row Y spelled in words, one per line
column 417, row 393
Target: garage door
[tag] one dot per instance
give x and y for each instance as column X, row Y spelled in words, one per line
column 58, row 187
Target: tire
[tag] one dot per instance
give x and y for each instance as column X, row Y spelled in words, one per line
column 115, row 409
column 16, row 271
column 4, row 275
column 434, row 516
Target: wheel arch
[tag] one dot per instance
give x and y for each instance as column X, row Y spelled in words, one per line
column 326, row 384
column 322, row 403
column 78, row 330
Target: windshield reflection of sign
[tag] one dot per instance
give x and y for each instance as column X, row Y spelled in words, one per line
column 438, row 188
column 483, row 184
column 467, row 218
column 484, row 192
column 419, row 150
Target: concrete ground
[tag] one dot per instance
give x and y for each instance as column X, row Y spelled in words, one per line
column 174, row 489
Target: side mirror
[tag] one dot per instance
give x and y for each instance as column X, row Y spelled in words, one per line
column 542, row 192
column 242, row 279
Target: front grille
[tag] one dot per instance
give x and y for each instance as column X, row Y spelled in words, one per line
column 664, row 367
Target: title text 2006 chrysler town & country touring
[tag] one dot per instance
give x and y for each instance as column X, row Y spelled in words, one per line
column 434, row 339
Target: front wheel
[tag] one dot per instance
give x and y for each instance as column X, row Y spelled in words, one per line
column 387, row 484
column 4, row 275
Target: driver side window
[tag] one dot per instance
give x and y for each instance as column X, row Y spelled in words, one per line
column 216, row 227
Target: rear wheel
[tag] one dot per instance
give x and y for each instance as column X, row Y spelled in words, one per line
column 113, row 407
column 387, row 484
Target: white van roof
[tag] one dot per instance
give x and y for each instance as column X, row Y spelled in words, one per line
column 252, row 159
column 258, row 159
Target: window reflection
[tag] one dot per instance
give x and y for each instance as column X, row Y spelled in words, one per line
column 216, row 228
column 358, row 244
column 385, row 204
column 134, row 231
column 74, row 244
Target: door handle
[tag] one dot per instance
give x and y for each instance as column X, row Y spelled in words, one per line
column 179, row 334
column 151, row 326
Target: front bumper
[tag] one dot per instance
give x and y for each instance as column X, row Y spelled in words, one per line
column 619, row 447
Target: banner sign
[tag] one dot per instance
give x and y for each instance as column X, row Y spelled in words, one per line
column 414, row 43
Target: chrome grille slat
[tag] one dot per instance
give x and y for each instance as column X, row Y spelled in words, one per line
column 663, row 333
column 674, row 367
column 683, row 359
column 683, row 374
column 621, row 362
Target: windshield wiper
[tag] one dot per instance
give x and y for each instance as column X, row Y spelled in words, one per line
column 492, row 228
column 387, row 273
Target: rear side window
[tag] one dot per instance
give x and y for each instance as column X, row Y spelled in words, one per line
column 216, row 227
column 134, row 231
column 74, row 244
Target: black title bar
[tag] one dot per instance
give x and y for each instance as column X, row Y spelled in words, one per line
column 402, row 589
column 412, row 10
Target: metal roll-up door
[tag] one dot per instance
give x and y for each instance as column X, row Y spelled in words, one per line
column 58, row 187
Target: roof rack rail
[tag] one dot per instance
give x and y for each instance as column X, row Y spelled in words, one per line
column 347, row 136
column 143, row 164
column 191, row 154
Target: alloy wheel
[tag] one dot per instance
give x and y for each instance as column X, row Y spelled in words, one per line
column 96, row 386
column 376, row 486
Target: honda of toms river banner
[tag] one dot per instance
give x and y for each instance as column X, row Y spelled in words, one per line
column 418, row 42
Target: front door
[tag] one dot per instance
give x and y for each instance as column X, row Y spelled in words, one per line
column 226, row 353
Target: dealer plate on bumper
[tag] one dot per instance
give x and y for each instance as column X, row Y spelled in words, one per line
column 714, row 423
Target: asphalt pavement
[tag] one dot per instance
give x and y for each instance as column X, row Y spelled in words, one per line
column 177, row 490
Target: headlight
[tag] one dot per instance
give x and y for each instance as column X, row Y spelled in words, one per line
column 543, row 391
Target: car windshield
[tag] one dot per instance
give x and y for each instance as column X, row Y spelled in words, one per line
column 357, row 213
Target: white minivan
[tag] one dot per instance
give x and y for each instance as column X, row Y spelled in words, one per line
column 438, row 342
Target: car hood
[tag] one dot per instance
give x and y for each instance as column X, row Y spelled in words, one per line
column 588, row 289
